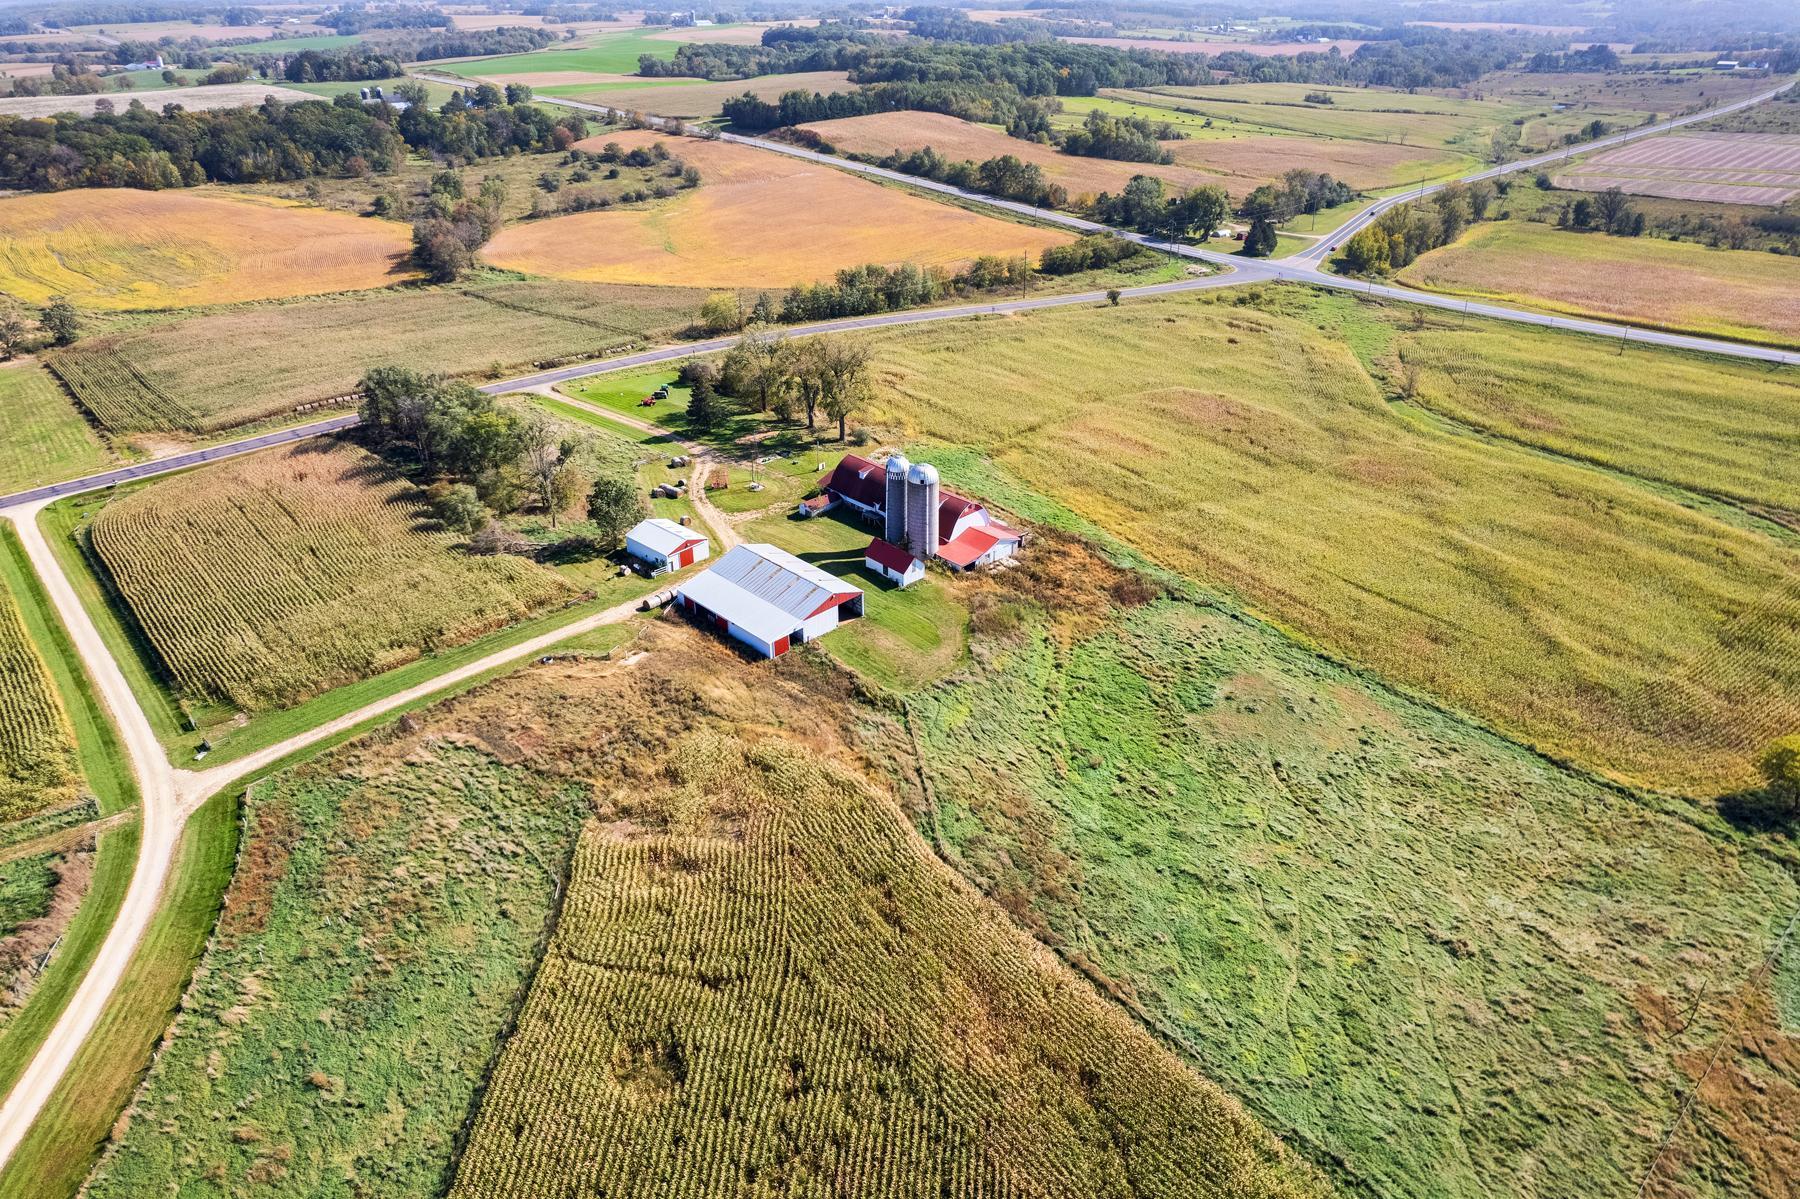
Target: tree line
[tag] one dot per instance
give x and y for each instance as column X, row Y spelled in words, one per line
column 481, row 460
column 771, row 374
column 268, row 142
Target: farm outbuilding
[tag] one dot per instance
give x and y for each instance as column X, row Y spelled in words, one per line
column 665, row 545
column 768, row 599
column 893, row 563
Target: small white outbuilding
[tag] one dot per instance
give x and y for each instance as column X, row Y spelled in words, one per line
column 665, row 545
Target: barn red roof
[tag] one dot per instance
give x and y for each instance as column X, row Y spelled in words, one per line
column 952, row 508
column 973, row 543
column 856, row 478
column 884, row 553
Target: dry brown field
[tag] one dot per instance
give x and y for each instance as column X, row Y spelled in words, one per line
column 194, row 99
column 1501, row 27
column 1641, row 92
column 955, row 139
column 26, row 70
column 124, row 249
column 1750, row 295
column 502, row 20
column 151, row 31
column 1345, row 46
column 1724, row 168
column 696, row 99
column 1245, row 162
column 757, row 220
column 723, row 35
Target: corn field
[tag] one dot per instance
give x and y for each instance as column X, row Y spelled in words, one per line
column 37, row 750
column 799, row 1000
column 119, row 396
column 263, row 581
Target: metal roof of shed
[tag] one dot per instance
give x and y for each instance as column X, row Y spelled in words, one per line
column 776, row 577
column 661, row 535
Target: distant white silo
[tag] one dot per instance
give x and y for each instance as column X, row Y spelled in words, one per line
column 922, row 511
column 893, row 530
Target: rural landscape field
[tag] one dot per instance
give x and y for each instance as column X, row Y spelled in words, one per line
column 1035, row 602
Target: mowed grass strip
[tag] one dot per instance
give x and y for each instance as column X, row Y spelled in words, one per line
column 757, row 220
column 1721, row 428
column 37, row 749
column 214, row 371
column 762, row 977
column 46, row 439
column 1250, row 448
column 1683, row 286
column 263, row 581
column 123, row 248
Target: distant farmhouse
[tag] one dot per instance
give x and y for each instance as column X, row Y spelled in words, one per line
column 918, row 518
column 768, row 599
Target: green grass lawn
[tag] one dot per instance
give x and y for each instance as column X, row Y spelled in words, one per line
column 905, row 638
column 605, row 54
column 46, row 438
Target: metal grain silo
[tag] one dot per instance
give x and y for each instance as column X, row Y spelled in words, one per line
column 894, row 514
column 922, row 511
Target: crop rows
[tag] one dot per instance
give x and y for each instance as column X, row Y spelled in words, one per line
column 267, row 580
column 810, row 1005
column 37, row 751
column 118, row 395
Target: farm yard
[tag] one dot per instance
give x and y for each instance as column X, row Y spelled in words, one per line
column 265, row 580
column 185, row 375
column 1360, row 915
column 738, row 229
column 1475, row 566
column 1746, row 295
column 127, row 249
column 1729, row 168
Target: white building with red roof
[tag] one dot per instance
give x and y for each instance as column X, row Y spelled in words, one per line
column 892, row 563
column 663, row 545
column 768, row 599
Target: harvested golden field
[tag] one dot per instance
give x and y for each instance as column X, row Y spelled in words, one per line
column 696, row 99
column 757, row 220
column 271, row 578
column 123, row 248
column 1745, row 294
column 1250, row 160
column 1253, row 445
column 883, row 133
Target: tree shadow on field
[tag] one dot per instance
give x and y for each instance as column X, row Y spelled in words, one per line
column 1753, row 811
